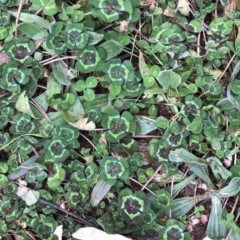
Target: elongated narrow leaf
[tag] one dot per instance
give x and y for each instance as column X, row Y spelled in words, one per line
column 181, row 155
column 214, row 228
column 179, row 186
column 24, row 169
column 181, row 206
column 100, row 190
column 197, row 165
column 231, row 189
column 142, row 65
column 59, row 73
column 32, row 18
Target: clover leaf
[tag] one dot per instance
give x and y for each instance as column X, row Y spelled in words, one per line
column 118, row 126
column 15, row 75
column 174, row 230
column 86, row 87
column 19, row 49
column 90, row 59
column 4, row 138
column 56, row 43
column 36, row 173
column 23, row 124
column 133, row 88
column 117, row 72
column 135, row 208
column 56, row 148
column 113, row 169
column 24, row 144
column 169, row 79
column 74, row 36
column 10, row 208
column 109, row 10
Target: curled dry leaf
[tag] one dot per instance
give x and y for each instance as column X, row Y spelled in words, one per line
column 92, row 233
column 183, row 6
column 103, row 139
column 83, row 124
column 123, row 26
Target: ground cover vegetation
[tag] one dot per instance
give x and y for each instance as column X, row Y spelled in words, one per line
column 121, row 115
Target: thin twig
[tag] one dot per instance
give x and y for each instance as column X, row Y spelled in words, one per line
column 172, row 182
column 80, row 219
column 226, row 68
column 89, row 141
column 142, row 186
column 18, row 15
column 34, row 103
column 59, row 59
column 150, row 179
column 146, row 136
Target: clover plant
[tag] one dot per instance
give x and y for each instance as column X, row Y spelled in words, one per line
column 112, row 110
column 118, row 126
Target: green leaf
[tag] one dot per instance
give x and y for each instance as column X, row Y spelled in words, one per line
column 214, row 228
column 89, row 95
column 3, row 32
column 60, row 73
column 162, row 122
column 3, row 180
column 91, row 82
column 235, row 170
column 32, row 18
column 231, row 189
column 23, row 105
column 30, row 29
column 77, row 16
column 146, row 124
column 112, row 48
column 148, row 81
column 182, row 206
column 99, row 191
column 50, row 8
column 169, row 79
column 39, row 3
column 235, row 86
column 197, row 165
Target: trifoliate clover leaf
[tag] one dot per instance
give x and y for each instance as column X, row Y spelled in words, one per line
column 4, row 138
column 174, row 230
column 113, row 169
column 19, row 49
column 56, row 148
column 118, row 126
column 110, row 10
column 74, row 36
column 90, row 59
column 23, row 124
column 24, row 144
column 56, row 43
column 135, row 208
column 37, row 173
column 117, row 72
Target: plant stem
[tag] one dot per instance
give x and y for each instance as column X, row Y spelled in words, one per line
column 80, row 219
